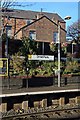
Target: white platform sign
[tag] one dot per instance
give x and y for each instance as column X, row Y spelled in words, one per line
column 40, row 57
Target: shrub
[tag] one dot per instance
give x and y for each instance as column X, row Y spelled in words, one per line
column 17, row 64
column 71, row 67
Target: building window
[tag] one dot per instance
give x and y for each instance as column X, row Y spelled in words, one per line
column 55, row 37
column 32, row 35
column 29, row 21
column 9, row 33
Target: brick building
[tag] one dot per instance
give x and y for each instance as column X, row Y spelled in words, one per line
column 40, row 26
column 43, row 30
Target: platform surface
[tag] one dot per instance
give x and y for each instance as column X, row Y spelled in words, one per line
column 12, row 91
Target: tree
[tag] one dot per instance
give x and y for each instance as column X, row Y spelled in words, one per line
column 12, row 3
column 28, row 46
column 5, row 10
column 7, row 4
column 74, row 30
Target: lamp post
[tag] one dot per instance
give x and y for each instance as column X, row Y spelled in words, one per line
column 8, row 27
column 59, row 79
column 58, row 54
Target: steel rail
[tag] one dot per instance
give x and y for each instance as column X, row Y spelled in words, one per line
column 40, row 112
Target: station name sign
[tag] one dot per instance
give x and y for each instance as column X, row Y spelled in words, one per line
column 40, row 57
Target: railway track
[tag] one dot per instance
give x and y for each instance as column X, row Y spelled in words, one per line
column 57, row 113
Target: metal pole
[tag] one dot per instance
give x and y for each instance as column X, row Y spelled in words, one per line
column 7, row 42
column 59, row 79
column 58, row 54
column 43, row 48
column 7, row 55
column 27, row 80
column 27, row 76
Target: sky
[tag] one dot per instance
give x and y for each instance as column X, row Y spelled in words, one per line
column 62, row 8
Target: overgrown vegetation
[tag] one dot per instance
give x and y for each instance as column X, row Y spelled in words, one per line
column 16, row 63
column 72, row 67
column 20, row 63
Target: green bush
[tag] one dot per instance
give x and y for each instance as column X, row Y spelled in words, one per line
column 17, row 64
column 71, row 67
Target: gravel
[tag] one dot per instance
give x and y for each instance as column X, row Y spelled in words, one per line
column 56, row 114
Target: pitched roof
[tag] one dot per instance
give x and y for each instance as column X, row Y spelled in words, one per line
column 36, row 21
column 27, row 14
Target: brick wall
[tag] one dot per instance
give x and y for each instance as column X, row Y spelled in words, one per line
column 16, row 24
column 44, row 30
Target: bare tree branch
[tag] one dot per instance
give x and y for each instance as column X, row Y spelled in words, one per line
column 74, row 29
column 13, row 3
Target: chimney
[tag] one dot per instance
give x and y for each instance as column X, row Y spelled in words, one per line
column 39, row 15
column 54, row 20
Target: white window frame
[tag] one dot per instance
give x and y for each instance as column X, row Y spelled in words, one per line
column 32, row 34
column 29, row 21
column 55, row 37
